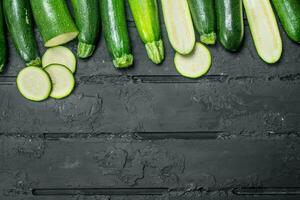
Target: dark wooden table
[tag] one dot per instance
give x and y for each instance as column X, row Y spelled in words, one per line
column 148, row 133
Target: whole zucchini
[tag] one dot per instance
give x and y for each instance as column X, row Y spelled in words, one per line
column 145, row 14
column 54, row 21
column 87, row 18
column 203, row 14
column 3, row 53
column 19, row 22
column 289, row 15
column 115, row 32
column 230, row 23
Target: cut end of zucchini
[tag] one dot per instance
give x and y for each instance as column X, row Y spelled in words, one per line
column 124, row 61
column 61, row 39
column 209, row 39
column 63, row 81
column 35, row 62
column 85, row 50
column 155, row 51
column 34, row 83
column 194, row 65
column 60, row 55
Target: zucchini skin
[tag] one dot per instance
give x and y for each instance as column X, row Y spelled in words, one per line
column 53, row 19
column 289, row 15
column 19, row 22
column 3, row 48
column 230, row 23
column 87, row 19
column 203, row 15
column 146, row 17
column 115, row 32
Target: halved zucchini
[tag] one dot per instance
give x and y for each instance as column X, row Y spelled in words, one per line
column 264, row 29
column 63, row 81
column 179, row 25
column 34, row 83
column 195, row 64
column 59, row 55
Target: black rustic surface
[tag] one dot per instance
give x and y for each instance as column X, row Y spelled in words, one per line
column 148, row 134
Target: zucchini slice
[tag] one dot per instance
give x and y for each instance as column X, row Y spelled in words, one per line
column 59, row 55
column 179, row 25
column 264, row 29
column 195, row 64
column 34, row 83
column 63, row 81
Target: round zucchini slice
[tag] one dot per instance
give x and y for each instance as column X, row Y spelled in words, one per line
column 34, row 83
column 195, row 64
column 63, row 81
column 60, row 55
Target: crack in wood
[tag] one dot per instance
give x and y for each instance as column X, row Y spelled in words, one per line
column 98, row 191
column 259, row 191
column 267, row 191
column 103, row 79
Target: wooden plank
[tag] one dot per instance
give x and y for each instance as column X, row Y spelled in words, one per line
column 113, row 105
column 181, row 165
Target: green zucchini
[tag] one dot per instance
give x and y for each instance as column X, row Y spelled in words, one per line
column 264, row 29
column 3, row 49
column 179, row 25
column 230, row 23
column 203, row 14
column 19, row 22
column 54, row 21
column 116, row 32
column 289, row 15
column 87, row 18
column 145, row 14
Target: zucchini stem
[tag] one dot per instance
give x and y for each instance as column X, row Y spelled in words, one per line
column 208, row 38
column 124, row 61
column 155, row 51
column 85, row 50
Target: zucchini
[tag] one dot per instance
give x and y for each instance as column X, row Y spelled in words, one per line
column 264, row 29
column 116, row 32
column 289, row 15
column 203, row 13
column 3, row 49
column 19, row 23
column 230, row 23
column 63, row 81
column 54, row 21
column 145, row 14
column 179, row 25
column 87, row 18
column 195, row 64
column 59, row 55
column 34, row 83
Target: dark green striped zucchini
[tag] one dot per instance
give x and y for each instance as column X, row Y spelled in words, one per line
column 54, row 21
column 87, row 18
column 115, row 32
column 289, row 15
column 145, row 14
column 19, row 22
column 230, row 23
column 203, row 14
column 3, row 53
